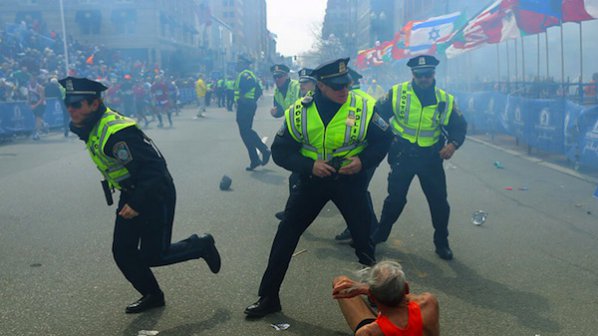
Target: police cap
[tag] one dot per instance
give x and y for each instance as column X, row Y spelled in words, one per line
column 78, row 89
column 277, row 69
column 423, row 64
column 306, row 75
column 333, row 72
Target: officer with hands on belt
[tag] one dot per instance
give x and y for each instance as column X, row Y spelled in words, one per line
column 329, row 140
column 130, row 162
column 286, row 90
column 429, row 129
column 247, row 92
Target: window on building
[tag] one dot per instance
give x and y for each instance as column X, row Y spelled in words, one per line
column 89, row 21
column 124, row 20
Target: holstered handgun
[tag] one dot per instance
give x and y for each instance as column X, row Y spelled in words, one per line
column 107, row 192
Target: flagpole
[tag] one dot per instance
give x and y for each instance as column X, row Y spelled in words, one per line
column 538, row 45
column 547, row 55
column 516, row 60
column 580, row 54
column 522, row 60
column 562, row 59
column 64, row 44
column 508, row 67
column 498, row 63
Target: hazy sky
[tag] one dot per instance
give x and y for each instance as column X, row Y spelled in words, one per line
column 293, row 22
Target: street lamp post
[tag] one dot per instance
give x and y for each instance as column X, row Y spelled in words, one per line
column 64, row 44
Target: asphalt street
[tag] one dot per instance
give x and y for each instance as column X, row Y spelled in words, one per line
column 530, row 269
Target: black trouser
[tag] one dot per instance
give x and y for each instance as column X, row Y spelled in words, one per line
column 430, row 172
column 230, row 99
column 144, row 241
column 306, row 201
column 373, row 220
column 220, row 95
column 245, row 113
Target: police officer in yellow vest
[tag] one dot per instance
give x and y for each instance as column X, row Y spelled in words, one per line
column 329, row 139
column 130, row 162
column 247, row 92
column 429, row 129
column 286, row 91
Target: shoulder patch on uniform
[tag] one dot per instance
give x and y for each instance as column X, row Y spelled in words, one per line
column 122, row 153
column 282, row 129
column 380, row 122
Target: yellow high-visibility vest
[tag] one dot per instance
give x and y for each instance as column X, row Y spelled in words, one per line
column 414, row 123
column 113, row 170
column 344, row 136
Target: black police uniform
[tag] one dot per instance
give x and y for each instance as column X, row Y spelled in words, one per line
column 144, row 240
column 246, row 109
column 407, row 160
column 310, row 194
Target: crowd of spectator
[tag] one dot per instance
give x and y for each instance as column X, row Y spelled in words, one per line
column 28, row 50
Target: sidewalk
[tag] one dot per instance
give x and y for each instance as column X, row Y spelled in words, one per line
column 554, row 161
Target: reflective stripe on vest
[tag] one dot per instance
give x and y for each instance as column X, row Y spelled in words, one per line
column 414, row 123
column 291, row 96
column 113, row 171
column 344, row 136
column 249, row 94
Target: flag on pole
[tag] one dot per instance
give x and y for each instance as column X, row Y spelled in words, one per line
column 579, row 10
column 494, row 24
column 423, row 36
column 380, row 54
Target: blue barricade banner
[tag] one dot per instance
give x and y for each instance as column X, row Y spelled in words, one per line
column 17, row 117
column 55, row 112
column 515, row 120
column 572, row 132
column 546, row 129
column 588, row 124
column 187, row 95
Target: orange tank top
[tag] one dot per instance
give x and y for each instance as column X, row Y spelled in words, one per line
column 414, row 323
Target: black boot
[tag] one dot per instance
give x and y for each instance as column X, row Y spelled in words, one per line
column 264, row 306
column 209, row 252
column 148, row 301
column 444, row 251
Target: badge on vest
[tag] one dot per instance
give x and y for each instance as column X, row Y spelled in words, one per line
column 350, row 120
column 122, row 153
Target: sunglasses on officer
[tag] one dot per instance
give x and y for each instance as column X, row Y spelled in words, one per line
column 277, row 76
column 338, row 87
column 75, row 105
column 428, row 74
